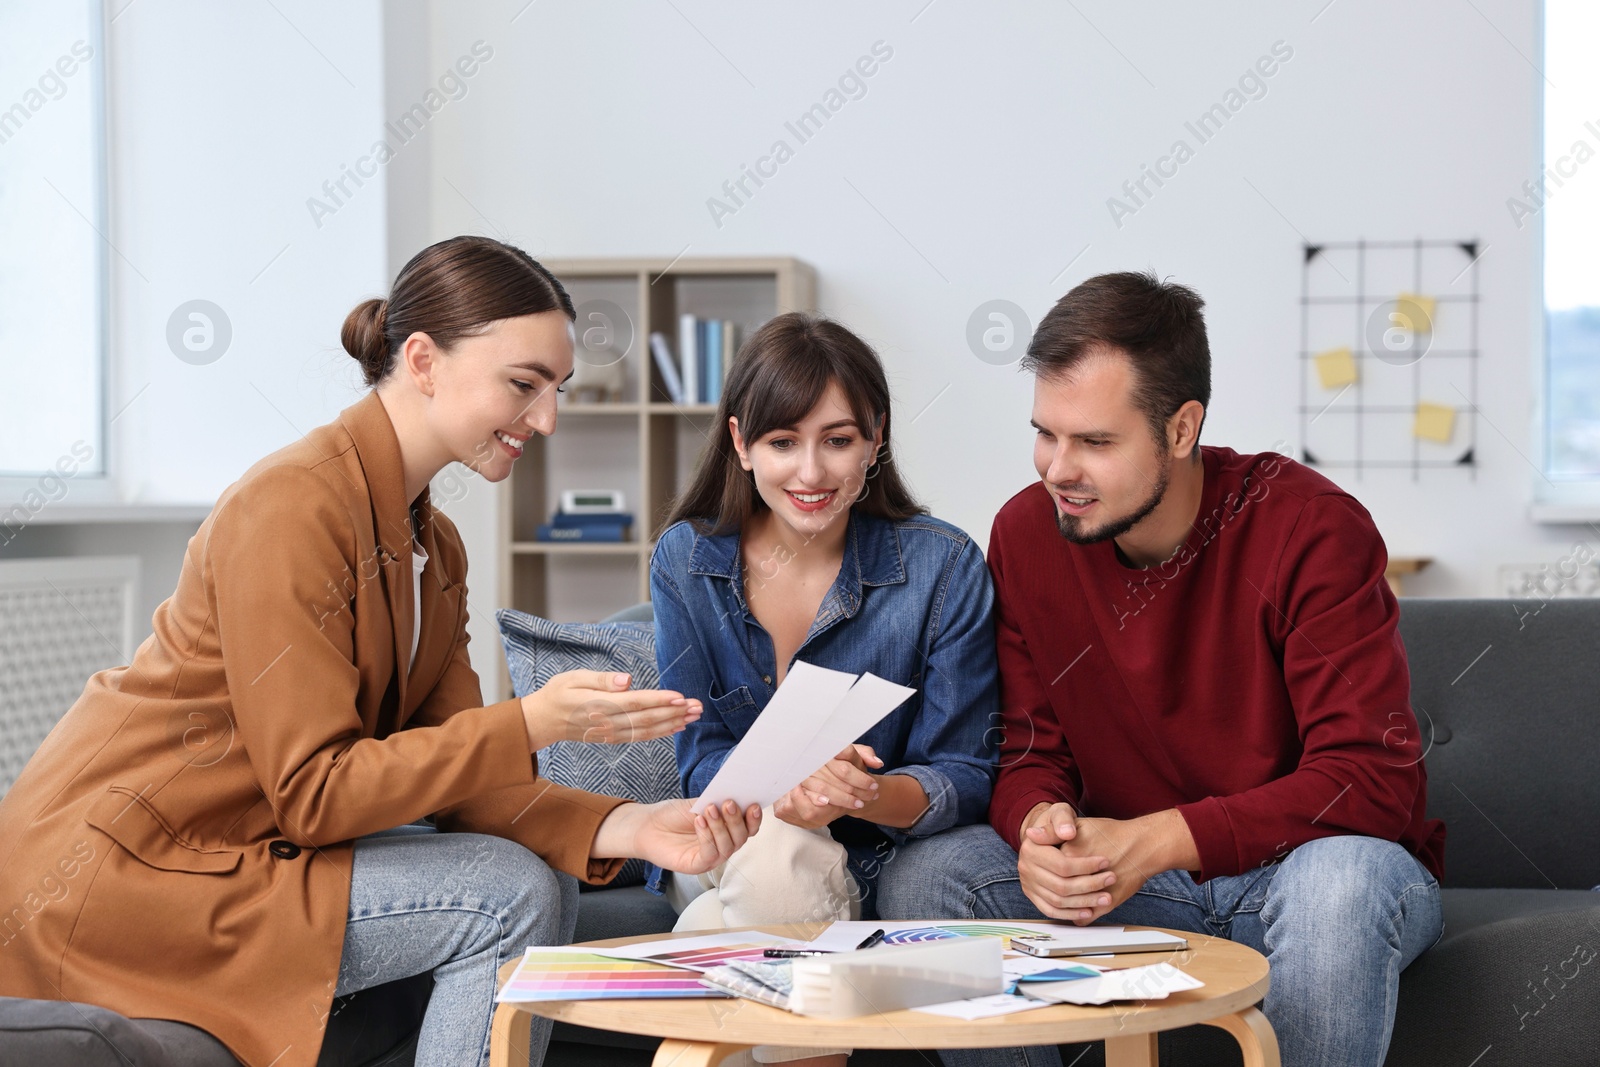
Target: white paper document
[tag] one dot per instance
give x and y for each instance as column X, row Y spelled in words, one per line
column 984, row 1007
column 814, row 714
column 1154, row 982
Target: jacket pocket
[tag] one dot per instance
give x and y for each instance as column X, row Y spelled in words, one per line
column 736, row 708
column 127, row 819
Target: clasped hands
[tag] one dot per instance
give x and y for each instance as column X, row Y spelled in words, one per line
column 1079, row 869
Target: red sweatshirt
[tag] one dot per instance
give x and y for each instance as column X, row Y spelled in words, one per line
column 1256, row 681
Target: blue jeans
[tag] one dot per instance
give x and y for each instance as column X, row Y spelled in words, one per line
column 1338, row 919
column 460, row 906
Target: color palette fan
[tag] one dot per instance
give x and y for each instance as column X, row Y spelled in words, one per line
column 562, row 974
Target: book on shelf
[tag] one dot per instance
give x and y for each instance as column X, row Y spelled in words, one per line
column 667, row 367
column 689, row 358
column 597, row 526
column 706, row 348
column 730, row 347
column 713, row 358
column 702, row 346
column 598, row 533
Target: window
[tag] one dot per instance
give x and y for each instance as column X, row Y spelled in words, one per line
column 1565, row 197
column 52, row 255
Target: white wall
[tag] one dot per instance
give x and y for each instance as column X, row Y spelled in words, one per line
column 978, row 165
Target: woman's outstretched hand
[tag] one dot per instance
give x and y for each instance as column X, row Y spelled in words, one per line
column 669, row 836
column 599, row 706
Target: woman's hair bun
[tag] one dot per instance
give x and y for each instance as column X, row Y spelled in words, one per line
column 450, row 290
column 363, row 337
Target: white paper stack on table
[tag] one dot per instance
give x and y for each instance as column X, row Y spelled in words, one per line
column 1032, row 976
column 814, row 714
column 846, row 985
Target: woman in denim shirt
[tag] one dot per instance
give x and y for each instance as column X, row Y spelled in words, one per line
column 799, row 540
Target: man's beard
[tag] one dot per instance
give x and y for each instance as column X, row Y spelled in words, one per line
column 1075, row 530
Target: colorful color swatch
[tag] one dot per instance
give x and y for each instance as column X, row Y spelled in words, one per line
column 561, row 974
column 945, row 931
column 703, row 959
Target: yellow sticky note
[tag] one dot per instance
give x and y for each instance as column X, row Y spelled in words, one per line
column 1336, row 368
column 1434, row 422
column 1415, row 312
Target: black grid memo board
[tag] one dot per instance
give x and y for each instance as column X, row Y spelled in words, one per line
column 1348, row 294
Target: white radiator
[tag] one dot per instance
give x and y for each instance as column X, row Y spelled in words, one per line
column 61, row 620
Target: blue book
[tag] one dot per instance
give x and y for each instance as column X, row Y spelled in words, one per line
column 592, row 518
column 701, row 331
column 615, row 531
column 713, row 361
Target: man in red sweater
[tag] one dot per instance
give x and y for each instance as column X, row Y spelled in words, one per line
column 1205, row 696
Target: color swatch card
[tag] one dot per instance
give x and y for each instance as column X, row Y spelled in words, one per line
column 814, row 714
column 698, row 953
column 567, row 974
column 845, row 935
column 1155, row 982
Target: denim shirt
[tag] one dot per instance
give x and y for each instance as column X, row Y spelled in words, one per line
column 913, row 603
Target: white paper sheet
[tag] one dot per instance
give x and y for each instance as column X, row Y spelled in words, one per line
column 1154, row 982
column 983, row 1007
column 1015, row 967
column 814, row 714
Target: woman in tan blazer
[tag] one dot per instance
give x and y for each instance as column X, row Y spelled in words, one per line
column 218, row 833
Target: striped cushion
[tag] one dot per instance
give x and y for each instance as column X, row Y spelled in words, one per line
column 537, row 650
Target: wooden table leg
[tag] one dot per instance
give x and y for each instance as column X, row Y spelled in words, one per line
column 675, row 1053
column 508, row 1036
column 510, row 1032
column 1256, row 1040
column 1136, row 1050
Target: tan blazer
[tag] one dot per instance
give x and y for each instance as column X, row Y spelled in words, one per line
column 179, row 847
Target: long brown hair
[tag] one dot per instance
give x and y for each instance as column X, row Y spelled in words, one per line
column 777, row 378
column 450, row 290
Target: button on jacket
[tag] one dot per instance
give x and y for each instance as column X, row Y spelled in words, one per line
column 180, row 845
column 913, row 603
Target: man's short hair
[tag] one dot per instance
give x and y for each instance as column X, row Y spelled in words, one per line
column 1157, row 325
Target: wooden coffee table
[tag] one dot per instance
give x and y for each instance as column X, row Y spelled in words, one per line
column 701, row 1033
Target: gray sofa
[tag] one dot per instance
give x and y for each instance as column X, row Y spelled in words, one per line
column 1509, row 705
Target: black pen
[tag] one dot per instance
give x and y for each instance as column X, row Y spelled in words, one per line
column 874, row 938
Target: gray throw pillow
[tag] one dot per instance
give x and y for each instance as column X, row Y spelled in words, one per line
column 537, row 650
